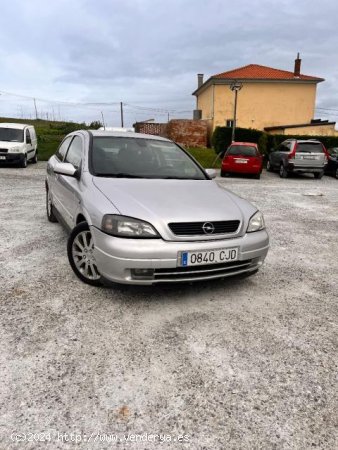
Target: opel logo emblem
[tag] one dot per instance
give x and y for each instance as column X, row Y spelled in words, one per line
column 208, row 228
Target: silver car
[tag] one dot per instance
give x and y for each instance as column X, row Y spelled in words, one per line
column 141, row 210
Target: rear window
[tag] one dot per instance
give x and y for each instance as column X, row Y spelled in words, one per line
column 310, row 147
column 242, row 150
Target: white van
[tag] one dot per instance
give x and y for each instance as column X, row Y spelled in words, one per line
column 18, row 144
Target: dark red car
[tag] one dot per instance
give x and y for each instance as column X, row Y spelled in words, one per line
column 242, row 158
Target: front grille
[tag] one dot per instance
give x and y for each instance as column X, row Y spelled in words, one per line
column 196, row 228
column 205, row 271
column 3, row 150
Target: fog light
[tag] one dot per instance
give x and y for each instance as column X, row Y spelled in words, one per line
column 142, row 274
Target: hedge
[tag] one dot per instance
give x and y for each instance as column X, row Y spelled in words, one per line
column 221, row 139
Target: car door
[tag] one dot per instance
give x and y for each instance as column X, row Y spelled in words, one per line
column 332, row 163
column 285, row 148
column 53, row 178
column 29, row 146
column 68, row 187
column 275, row 156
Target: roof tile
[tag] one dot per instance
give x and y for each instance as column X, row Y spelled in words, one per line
column 257, row 72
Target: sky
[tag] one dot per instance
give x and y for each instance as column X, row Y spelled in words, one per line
column 81, row 58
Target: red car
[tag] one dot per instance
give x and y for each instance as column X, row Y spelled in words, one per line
column 243, row 158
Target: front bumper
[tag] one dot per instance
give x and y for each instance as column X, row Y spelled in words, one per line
column 116, row 257
column 11, row 158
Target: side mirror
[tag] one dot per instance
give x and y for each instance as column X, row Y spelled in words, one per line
column 211, row 173
column 65, row 169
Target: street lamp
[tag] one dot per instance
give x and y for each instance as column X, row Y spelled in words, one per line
column 235, row 86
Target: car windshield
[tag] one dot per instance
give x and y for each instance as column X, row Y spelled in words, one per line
column 242, row 150
column 310, row 147
column 11, row 135
column 129, row 157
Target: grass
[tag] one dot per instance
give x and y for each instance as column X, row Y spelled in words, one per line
column 51, row 133
column 205, row 156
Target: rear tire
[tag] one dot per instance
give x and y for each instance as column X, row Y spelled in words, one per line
column 283, row 173
column 80, row 255
column 258, row 176
column 318, row 175
column 50, row 208
column 336, row 174
column 269, row 166
column 34, row 160
column 224, row 174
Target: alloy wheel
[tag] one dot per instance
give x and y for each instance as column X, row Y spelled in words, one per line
column 83, row 255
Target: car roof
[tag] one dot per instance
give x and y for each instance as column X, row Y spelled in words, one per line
column 300, row 141
column 17, row 126
column 244, row 143
column 126, row 134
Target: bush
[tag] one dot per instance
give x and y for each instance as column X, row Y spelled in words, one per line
column 221, row 139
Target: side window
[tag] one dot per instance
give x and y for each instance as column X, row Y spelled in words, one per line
column 285, row 147
column 28, row 137
column 74, row 154
column 60, row 154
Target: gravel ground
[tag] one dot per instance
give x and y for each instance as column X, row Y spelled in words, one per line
column 230, row 364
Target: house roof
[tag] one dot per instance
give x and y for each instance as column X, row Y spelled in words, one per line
column 301, row 125
column 257, row 72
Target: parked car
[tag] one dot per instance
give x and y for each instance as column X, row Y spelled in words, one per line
column 18, row 144
column 242, row 158
column 141, row 210
column 298, row 156
column 332, row 165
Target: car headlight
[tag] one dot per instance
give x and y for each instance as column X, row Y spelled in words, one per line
column 256, row 222
column 122, row 226
column 15, row 150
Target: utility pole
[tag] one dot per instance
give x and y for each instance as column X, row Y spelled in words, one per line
column 168, row 116
column 235, row 86
column 36, row 111
column 104, row 125
column 121, row 108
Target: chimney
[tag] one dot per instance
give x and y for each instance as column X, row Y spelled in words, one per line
column 298, row 61
column 199, row 80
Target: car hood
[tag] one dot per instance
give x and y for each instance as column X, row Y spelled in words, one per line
column 160, row 202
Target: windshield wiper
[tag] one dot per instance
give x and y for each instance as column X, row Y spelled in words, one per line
column 179, row 178
column 118, row 175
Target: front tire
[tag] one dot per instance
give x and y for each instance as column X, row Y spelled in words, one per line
column 80, row 249
column 24, row 162
column 283, row 173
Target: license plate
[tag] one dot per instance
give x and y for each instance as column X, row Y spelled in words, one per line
column 241, row 161
column 2, row 157
column 200, row 258
column 309, row 157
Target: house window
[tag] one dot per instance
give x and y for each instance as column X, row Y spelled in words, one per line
column 229, row 123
